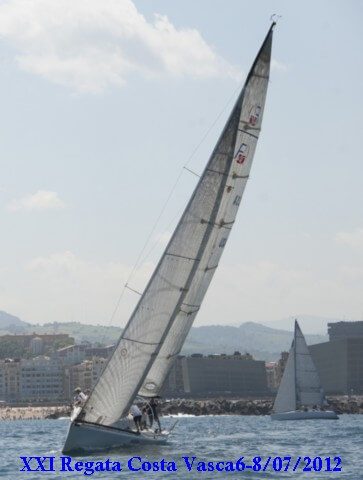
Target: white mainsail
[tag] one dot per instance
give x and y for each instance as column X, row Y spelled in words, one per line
column 300, row 384
column 163, row 316
column 249, row 111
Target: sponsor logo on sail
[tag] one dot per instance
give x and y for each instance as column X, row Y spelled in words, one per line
column 242, row 154
column 254, row 115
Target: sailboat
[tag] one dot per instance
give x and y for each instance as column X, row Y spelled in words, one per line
column 160, row 322
column 300, row 395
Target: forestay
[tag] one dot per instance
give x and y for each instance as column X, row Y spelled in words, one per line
column 231, row 173
column 174, row 293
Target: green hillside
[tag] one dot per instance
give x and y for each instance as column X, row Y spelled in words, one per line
column 264, row 343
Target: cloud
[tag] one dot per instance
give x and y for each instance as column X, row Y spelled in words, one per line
column 352, row 239
column 90, row 45
column 41, row 200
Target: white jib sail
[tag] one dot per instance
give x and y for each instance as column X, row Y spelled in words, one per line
column 249, row 107
column 309, row 391
column 172, row 286
column 285, row 400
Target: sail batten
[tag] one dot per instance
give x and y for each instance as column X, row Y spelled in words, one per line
column 161, row 321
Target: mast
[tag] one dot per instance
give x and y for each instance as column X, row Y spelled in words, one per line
column 182, row 276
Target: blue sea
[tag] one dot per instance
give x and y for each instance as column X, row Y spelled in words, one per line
column 209, row 439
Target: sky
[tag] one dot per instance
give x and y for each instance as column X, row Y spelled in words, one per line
column 104, row 102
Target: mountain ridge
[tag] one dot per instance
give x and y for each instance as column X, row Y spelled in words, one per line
column 262, row 341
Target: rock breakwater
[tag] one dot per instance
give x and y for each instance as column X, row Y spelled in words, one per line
column 215, row 406
column 248, row 407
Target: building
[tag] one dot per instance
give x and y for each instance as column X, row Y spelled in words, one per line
column 340, row 330
column 83, row 375
column 340, row 364
column 36, row 346
column 33, row 380
column 98, row 364
column 41, row 380
column 80, row 375
column 271, row 376
column 10, row 377
column 102, row 352
column 71, row 355
column 215, row 375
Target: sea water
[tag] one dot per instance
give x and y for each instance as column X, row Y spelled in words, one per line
column 213, row 439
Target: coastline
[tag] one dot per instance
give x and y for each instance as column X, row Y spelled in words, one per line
column 217, row 406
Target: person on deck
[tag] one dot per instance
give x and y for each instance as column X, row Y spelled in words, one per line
column 144, row 418
column 153, row 413
column 136, row 415
column 79, row 397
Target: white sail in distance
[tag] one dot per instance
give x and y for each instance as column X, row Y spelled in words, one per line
column 173, row 295
column 309, row 391
column 285, row 400
column 249, row 108
column 300, row 384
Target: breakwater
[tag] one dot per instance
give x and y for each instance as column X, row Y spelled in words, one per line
column 215, row 406
column 225, row 406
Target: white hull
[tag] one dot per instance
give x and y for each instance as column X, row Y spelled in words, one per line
column 309, row 415
column 83, row 437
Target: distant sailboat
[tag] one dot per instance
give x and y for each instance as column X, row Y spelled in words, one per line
column 159, row 325
column 300, row 395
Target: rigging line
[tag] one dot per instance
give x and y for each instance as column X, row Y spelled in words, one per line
column 191, row 171
column 194, row 151
column 189, row 160
column 132, row 289
column 136, row 265
column 157, row 241
column 213, row 125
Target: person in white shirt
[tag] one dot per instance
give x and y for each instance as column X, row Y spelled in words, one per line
column 136, row 415
column 79, row 397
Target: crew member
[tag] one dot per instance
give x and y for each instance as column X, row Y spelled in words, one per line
column 136, row 415
column 79, row 396
column 153, row 413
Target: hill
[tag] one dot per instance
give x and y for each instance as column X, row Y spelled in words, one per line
column 309, row 324
column 263, row 342
column 11, row 324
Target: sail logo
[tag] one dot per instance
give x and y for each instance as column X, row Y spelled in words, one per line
column 223, row 242
column 242, row 153
column 254, row 115
column 237, row 200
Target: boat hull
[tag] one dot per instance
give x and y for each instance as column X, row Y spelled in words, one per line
column 86, row 438
column 309, row 415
